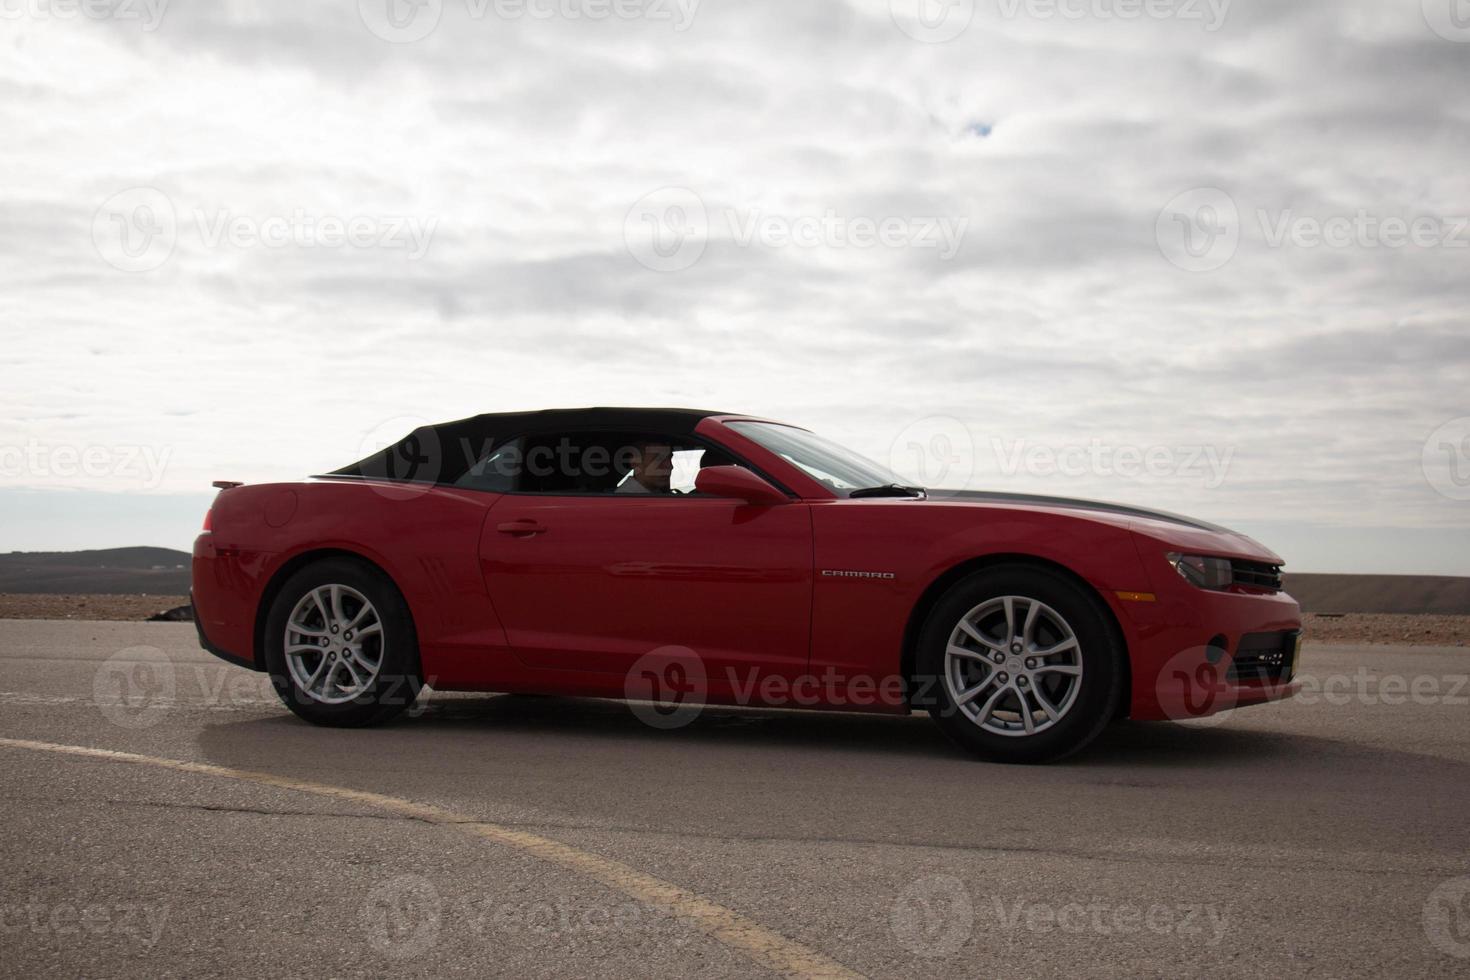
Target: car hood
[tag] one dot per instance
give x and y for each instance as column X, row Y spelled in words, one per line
column 1163, row 526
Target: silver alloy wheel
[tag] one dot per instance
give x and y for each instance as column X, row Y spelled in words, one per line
column 334, row 644
column 1013, row 666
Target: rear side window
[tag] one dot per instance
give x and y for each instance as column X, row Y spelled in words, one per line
column 497, row 472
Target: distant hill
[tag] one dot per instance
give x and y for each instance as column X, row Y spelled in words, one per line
column 1441, row 595
column 114, row 571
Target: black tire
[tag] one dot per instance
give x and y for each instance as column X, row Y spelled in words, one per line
column 398, row 679
column 1099, row 654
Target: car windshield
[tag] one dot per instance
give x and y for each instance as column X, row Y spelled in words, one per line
column 836, row 467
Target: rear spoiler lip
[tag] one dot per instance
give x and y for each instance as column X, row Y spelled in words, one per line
column 226, row 484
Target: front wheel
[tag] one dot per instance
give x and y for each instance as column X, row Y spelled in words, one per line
column 1019, row 664
column 340, row 645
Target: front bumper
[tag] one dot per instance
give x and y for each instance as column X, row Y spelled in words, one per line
column 1195, row 653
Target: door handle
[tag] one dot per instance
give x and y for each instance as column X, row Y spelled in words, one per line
column 524, row 527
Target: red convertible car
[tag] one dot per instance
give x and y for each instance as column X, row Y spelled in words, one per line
column 681, row 557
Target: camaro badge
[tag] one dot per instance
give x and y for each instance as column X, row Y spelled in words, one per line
column 844, row 573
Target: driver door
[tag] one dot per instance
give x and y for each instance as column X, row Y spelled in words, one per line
column 586, row 578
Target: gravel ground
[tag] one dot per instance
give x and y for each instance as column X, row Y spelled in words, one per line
column 128, row 608
column 1364, row 629
column 1358, row 629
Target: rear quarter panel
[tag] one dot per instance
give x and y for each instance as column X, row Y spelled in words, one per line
column 424, row 538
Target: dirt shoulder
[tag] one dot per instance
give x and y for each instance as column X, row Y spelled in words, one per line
column 129, row 608
column 1391, row 629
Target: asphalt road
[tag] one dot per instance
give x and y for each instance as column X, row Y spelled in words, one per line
column 536, row 836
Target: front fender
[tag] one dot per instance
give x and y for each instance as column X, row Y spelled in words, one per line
column 859, row 623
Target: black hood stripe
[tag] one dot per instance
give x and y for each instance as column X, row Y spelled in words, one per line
column 998, row 497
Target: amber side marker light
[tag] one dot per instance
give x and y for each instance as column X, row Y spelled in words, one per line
column 1136, row 596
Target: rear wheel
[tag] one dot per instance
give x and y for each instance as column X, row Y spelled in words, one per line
column 1018, row 664
column 340, row 645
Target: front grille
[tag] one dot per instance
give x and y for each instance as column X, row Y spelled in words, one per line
column 1264, row 657
column 1256, row 575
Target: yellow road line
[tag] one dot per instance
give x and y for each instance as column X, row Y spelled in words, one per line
column 748, row 938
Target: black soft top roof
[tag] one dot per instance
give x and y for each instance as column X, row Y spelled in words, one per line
column 443, row 452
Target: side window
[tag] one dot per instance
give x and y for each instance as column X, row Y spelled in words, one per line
column 593, row 462
column 661, row 465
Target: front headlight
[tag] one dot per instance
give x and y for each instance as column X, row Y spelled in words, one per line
column 1206, row 573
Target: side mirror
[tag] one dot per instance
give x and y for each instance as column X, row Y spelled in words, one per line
column 737, row 482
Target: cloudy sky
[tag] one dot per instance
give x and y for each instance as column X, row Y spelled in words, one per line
column 1206, row 255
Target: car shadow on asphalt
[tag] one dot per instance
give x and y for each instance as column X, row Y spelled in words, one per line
column 500, row 722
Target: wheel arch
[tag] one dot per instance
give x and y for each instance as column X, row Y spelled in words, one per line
column 946, row 579
column 295, row 564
